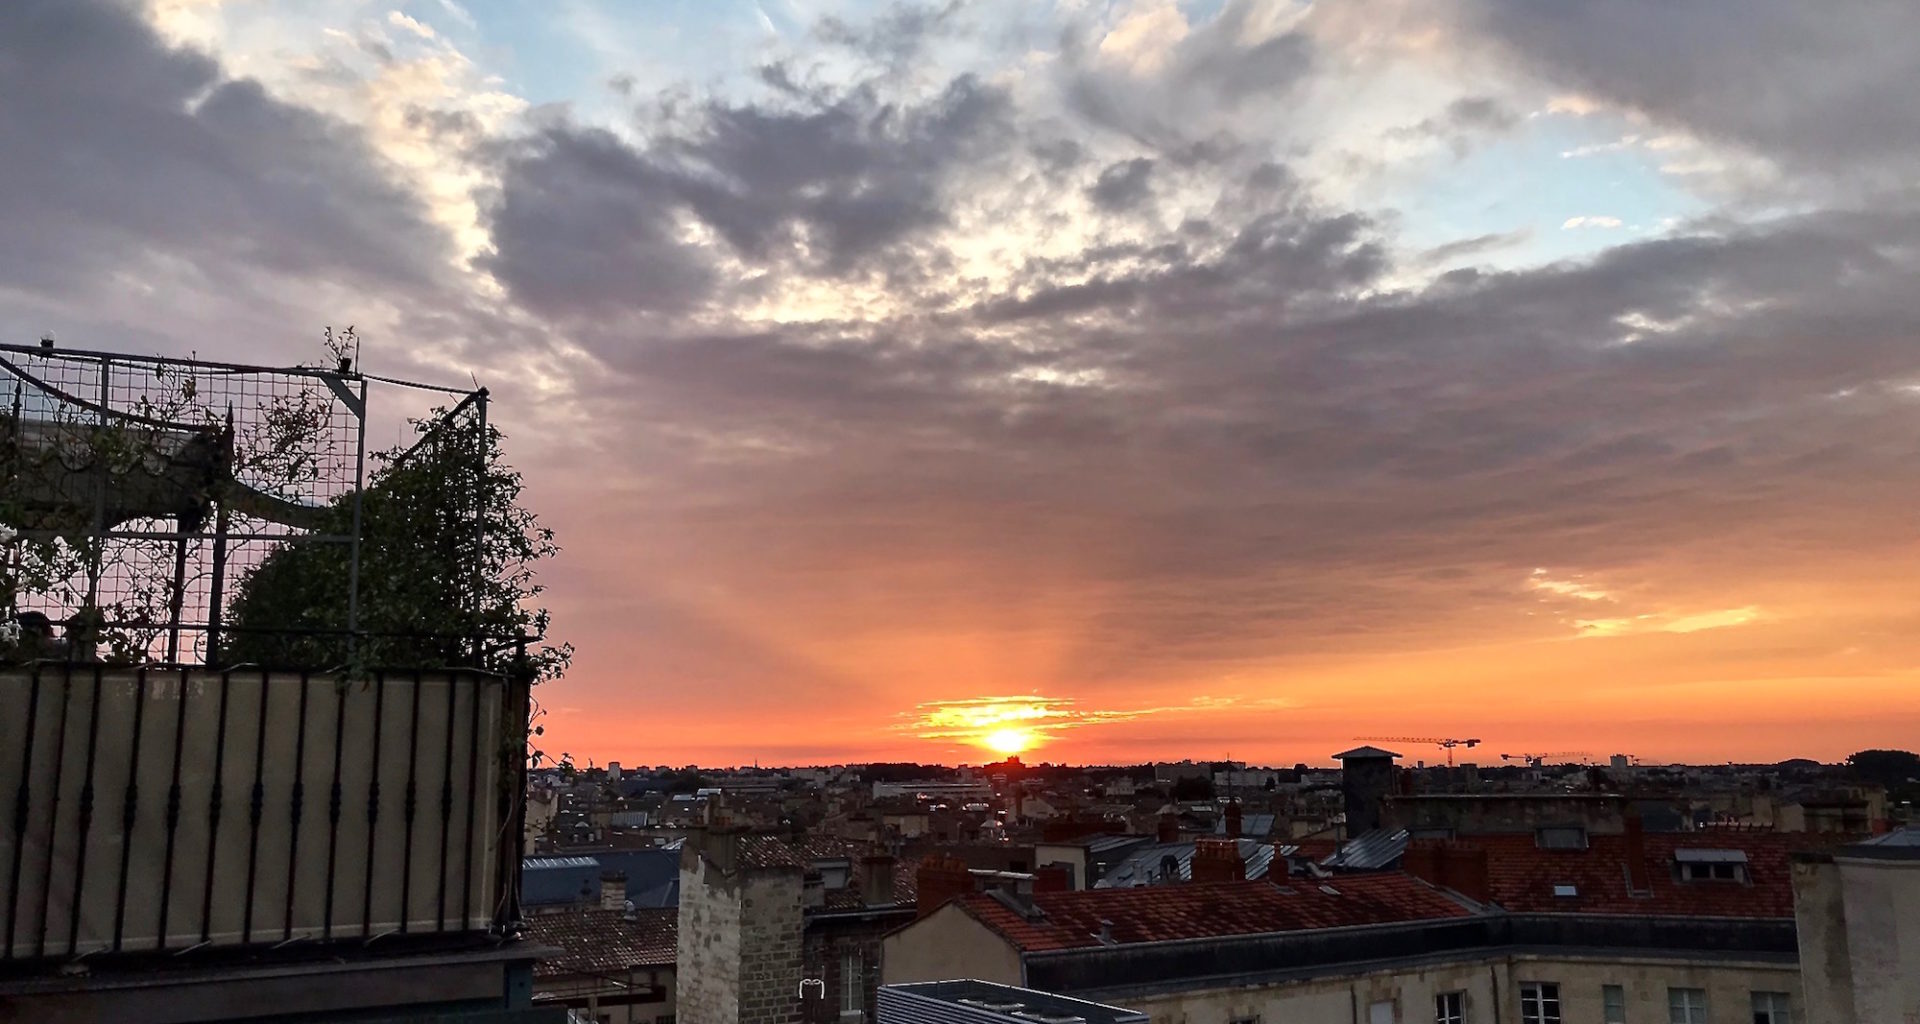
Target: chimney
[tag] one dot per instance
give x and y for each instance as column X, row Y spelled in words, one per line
column 1234, row 820
column 940, row 879
column 1464, row 866
column 876, row 883
column 1169, row 826
column 1366, row 778
column 1423, row 861
column 1639, row 879
column 1461, row 867
column 1052, row 878
column 1218, row 860
column 613, row 890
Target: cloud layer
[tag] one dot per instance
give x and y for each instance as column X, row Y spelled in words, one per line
column 886, row 375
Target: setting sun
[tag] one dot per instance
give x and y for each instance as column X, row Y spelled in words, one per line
column 1008, row 741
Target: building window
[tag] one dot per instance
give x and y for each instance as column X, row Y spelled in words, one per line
column 1771, row 1008
column 1539, row 1003
column 1252, row 1019
column 1710, row 872
column 1694, row 865
column 1381, row 1012
column 1561, row 837
column 853, row 984
column 1613, row 1004
column 1450, row 1008
column 1687, row 1006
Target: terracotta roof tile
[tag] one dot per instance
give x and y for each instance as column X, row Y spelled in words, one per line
column 604, row 941
column 1521, row 876
column 1192, row 911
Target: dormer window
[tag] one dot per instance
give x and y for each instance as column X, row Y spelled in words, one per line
column 1561, row 837
column 1710, row 865
column 835, row 874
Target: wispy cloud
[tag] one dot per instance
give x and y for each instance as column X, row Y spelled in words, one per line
column 1541, row 581
column 977, row 720
column 1693, row 622
column 1590, row 221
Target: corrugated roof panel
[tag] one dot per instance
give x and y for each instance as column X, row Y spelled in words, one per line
column 1369, row 851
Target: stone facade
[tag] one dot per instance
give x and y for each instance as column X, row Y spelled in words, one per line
column 951, row 944
column 1857, row 914
column 740, row 938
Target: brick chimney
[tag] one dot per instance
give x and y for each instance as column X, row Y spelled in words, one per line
column 1218, row 860
column 1234, row 820
column 1052, row 878
column 876, row 880
column 1422, row 860
column 1464, row 866
column 1461, row 867
column 1639, row 878
column 613, row 890
column 1169, row 831
column 940, row 879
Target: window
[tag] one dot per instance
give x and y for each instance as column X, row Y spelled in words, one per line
column 1687, row 1006
column 1771, row 1008
column 1250, row 1019
column 1450, row 1008
column 1380, row 1012
column 1539, row 1003
column 853, row 984
column 1561, row 837
column 1698, row 865
column 1710, row 872
column 1613, row 1004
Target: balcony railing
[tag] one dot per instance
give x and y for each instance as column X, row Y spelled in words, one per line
column 178, row 809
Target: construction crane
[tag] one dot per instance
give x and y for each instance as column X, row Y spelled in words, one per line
column 1446, row 742
column 1536, row 760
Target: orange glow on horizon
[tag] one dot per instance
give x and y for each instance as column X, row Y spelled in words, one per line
column 1009, row 741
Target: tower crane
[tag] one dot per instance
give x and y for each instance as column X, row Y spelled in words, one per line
column 1445, row 742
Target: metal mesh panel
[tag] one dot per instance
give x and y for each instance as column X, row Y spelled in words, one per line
column 144, row 491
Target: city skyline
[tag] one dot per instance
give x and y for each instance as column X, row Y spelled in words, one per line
column 1102, row 382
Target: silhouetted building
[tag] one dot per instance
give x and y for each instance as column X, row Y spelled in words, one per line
column 1366, row 777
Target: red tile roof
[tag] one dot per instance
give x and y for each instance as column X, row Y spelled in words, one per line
column 604, row 942
column 1521, row 876
column 1205, row 910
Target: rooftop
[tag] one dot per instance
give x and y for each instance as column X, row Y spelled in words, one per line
column 1142, row 865
column 1522, row 876
column 604, row 941
column 1364, row 752
column 983, row 1001
column 1162, row 913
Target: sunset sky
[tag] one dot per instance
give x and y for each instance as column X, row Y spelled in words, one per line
column 1120, row 381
